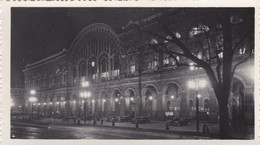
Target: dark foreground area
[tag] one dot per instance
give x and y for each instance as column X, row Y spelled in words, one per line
column 21, row 130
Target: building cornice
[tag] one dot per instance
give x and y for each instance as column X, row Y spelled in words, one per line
column 46, row 60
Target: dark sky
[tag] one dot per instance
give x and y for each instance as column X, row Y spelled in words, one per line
column 37, row 33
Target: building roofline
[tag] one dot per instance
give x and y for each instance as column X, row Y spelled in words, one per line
column 47, row 59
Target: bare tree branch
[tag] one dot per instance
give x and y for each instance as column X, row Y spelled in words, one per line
column 240, row 42
column 242, row 61
column 218, row 69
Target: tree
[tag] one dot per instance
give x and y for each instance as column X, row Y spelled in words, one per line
column 222, row 33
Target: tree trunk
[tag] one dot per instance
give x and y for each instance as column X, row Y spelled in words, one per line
column 224, row 121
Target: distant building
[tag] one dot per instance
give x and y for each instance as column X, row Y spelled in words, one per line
column 97, row 55
column 17, row 100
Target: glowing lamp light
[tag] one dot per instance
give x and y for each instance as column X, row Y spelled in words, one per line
column 85, row 84
column 192, row 67
column 64, row 102
column 104, row 100
column 57, row 103
column 74, row 102
column 172, row 97
column 199, row 95
column 83, row 101
column 93, row 63
column 32, row 99
column 44, row 103
column 39, row 104
column 116, row 99
column 50, row 103
column 32, row 92
column 132, row 99
column 151, row 98
column 93, row 101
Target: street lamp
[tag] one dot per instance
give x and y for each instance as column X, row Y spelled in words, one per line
column 196, row 84
column 32, row 100
column 84, row 95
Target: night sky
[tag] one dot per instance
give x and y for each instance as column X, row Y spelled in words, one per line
column 37, row 33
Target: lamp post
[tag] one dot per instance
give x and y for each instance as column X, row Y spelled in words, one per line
column 196, row 84
column 32, row 99
column 84, row 95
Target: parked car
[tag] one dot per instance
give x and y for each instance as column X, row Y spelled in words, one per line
column 140, row 119
column 112, row 118
column 179, row 122
column 127, row 118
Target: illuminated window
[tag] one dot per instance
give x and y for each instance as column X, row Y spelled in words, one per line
column 167, row 60
column 132, row 69
column 93, row 63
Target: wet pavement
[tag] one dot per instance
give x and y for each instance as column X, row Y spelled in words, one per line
column 20, row 130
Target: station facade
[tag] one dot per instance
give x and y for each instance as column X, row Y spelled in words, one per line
column 124, row 84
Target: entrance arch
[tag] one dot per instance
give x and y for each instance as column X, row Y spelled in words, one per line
column 172, row 100
column 150, row 102
column 118, row 102
column 130, row 101
column 104, row 104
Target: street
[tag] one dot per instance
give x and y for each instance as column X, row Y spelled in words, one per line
column 36, row 131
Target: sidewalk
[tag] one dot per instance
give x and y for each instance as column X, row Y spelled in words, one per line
column 156, row 126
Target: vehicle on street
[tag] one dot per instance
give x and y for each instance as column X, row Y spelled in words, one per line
column 179, row 122
column 140, row 119
column 127, row 118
